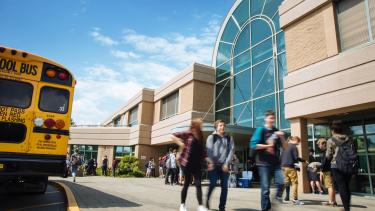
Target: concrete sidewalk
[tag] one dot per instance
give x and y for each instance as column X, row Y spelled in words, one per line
column 108, row 193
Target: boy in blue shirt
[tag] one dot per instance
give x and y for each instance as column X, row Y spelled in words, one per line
column 266, row 144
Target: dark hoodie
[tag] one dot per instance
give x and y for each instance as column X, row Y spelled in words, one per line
column 332, row 147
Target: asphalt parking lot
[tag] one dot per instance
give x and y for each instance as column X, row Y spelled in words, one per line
column 53, row 199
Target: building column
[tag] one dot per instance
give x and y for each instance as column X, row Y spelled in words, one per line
column 298, row 128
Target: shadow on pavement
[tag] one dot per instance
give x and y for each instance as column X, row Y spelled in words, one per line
column 319, row 202
column 87, row 197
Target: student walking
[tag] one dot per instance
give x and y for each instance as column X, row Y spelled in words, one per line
column 344, row 163
column 266, row 143
column 105, row 166
column 149, row 167
column 172, row 163
column 288, row 159
column 161, row 167
column 325, row 173
column 114, row 167
column 75, row 162
column 220, row 149
column 168, row 166
column 312, row 173
column 192, row 160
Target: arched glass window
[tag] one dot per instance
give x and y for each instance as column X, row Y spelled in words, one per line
column 249, row 58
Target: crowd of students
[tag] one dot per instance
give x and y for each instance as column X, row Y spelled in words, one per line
column 273, row 156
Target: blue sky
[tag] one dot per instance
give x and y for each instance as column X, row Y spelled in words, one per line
column 114, row 48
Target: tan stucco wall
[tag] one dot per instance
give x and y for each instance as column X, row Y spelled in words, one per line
column 157, row 108
column 185, row 98
column 145, row 111
column 203, row 99
column 99, row 135
column 343, row 83
column 148, row 152
column 311, row 38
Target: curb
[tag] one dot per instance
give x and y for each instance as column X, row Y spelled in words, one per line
column 72, row 203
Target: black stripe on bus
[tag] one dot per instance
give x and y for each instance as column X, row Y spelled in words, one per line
column 52, row 131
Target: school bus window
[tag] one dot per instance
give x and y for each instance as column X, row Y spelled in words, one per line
column 15, row 94
column 54, row 100
column 12, row 132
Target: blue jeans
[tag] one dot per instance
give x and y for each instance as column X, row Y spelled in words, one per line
column 265, row 173
column 214, row 175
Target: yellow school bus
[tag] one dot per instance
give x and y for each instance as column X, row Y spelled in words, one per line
column 36, row 97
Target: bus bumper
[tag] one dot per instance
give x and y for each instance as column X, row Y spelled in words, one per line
column 14, row 164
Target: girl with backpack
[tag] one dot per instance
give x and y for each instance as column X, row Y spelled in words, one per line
column 344, row 164
column 192, row 160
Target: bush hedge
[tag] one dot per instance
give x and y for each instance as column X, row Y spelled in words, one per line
column 129, row 167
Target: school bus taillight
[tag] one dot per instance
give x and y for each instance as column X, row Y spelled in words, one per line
column 49, row 123
column 51, row 73
column 60, row 124
column 62, row 76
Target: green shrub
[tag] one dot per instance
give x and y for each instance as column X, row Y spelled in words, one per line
column 129, row 167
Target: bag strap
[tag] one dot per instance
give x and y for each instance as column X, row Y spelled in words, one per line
column 228, row 141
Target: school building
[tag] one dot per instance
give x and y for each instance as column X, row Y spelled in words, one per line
column 311, row 61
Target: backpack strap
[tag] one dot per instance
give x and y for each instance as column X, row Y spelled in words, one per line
column 215, row 137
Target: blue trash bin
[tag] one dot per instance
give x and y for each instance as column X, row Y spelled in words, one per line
column 244, row 183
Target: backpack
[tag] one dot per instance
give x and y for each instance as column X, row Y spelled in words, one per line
column 346, row 158
column 228, row 142
column 168, row 162
column 75, row 160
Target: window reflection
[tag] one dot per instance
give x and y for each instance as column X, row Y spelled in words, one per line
column 260, row 106
column 242, row 62
column 230, row 31
column 256, row 7
column 262, row 51
column 242, row 115
column 223, row 54
column 223, row 100
column 224, row 115
column 242, row 12
column 241, row 86
column 263, row 78
column 223, row 71
column 243, row 41
column 371, row 143
column 260, row 31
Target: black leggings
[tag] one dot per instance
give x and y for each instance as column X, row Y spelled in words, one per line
column 343, row 182
column 197, row 181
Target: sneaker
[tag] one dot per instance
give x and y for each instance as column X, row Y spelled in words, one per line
column 201, row 208
column 279, row 199
column 286, row 198
column 297, row 202
column 183, row 207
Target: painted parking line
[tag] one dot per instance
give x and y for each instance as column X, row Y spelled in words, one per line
column 37, row 206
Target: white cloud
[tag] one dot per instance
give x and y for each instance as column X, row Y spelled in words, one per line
column 148, row 61
column 102, row 39
column 176, row 49
column 125, row 54
column 149, row 73
column 99, row 87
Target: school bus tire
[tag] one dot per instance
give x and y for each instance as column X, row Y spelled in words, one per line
column 38, row 184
